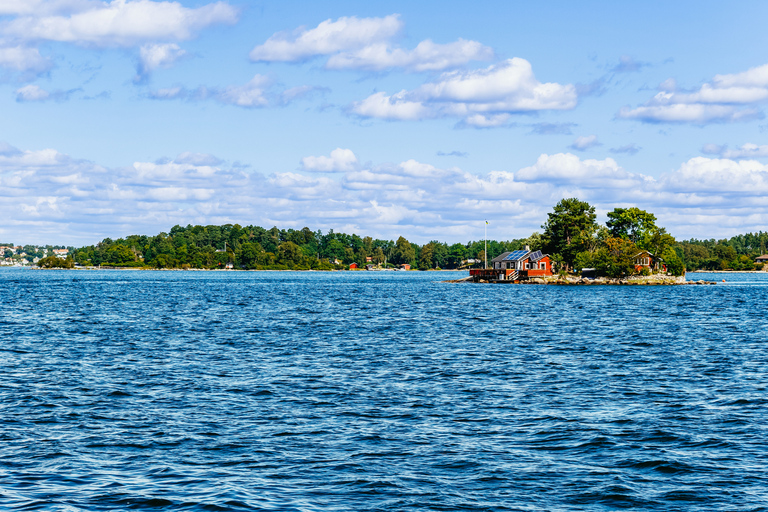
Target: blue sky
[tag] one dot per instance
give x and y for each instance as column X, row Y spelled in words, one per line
column 380, row 118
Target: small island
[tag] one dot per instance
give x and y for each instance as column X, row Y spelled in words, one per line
column 575, row 250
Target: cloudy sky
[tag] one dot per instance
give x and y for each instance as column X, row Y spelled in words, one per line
column 380, row 118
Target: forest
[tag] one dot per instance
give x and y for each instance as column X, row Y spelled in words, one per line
column 570, row 235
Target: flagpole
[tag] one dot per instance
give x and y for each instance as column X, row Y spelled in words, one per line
column 485, row 252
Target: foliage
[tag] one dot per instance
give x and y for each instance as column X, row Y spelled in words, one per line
column 569, row 230
column 615, row 258
column 630, row 223
column 674, row 263
column 56, row 262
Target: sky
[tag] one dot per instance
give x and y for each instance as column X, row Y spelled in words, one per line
column 422, row 119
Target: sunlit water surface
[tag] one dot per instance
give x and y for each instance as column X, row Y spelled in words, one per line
column 379, row 391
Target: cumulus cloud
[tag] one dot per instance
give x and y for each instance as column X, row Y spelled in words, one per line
column 585, row 142
column 250, row 95
column 727, row 98
column 156, row 56
column 366, row 43
column 346, row 33
column 427, row 56
column 32, row 93
column 340, row 160
column 481, row 98
column 24, row 59
column 121, row 23
column 63, row 199
column 394, row 107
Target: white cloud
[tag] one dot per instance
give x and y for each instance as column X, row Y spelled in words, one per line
column 506, row 88
column 346, row 33
column 366, row 43
column 120, row 22
column 155, row 56
column 381, row 106
column 68, row 200
column 427, row 56
column 340, row 160
column 583, row 143
column 250, row 95
column 32, row 93
column 486, row 121
column 22, row 58
column 727, row 98
column 745, row 151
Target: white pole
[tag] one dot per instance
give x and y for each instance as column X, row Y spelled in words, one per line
column 485, row 252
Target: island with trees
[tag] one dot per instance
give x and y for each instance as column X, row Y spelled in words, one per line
column 570, row 235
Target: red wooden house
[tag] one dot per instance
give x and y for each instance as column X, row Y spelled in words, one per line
column 516, row 265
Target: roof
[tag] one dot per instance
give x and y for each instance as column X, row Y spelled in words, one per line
column 519, row 255
column 764, row 257
column 516, row 255
column 500, row 257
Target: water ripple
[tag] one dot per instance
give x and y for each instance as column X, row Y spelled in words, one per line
column 378, row 391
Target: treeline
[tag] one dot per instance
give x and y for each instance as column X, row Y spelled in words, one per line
column 736, row 253
column 570, row 235
column 254, row 247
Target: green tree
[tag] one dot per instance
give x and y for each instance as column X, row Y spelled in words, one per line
column 248, row 254
column 675, row 265
column 568, row 230
column 290, row 254
column 425, row 258
column 616, row 258
column 403, row 252
column 632, row 223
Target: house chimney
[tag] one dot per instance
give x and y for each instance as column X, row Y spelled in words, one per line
column 527, row 248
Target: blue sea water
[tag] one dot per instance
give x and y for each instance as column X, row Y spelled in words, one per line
column 363, row 391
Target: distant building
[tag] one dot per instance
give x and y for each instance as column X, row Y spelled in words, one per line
column 405, row 266
column 352, row 266
column 759, row 259
column 61, row 252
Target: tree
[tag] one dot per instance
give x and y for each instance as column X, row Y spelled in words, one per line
column 290, row 254
column 425, row 258
column 568, row 229
column 616, row 258
column 675, row 265
column 403, row 252
column 248, row 254
column 632, row 223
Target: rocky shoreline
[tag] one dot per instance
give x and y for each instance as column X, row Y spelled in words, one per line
column 653, row 280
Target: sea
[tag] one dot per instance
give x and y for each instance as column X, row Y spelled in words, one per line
column 379, row 391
